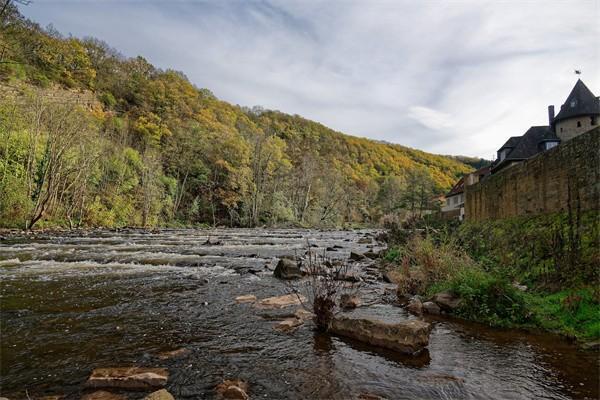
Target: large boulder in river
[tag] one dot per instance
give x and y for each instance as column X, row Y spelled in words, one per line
column 135, row 378
column 447, row 300
column 408, row 337
column 287, row 269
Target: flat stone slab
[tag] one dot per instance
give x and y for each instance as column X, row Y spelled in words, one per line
column 135, row 378
column 248, row 298
column 281, row 301
column 408, row 337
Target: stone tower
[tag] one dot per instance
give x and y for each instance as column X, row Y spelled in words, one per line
column 579, row 113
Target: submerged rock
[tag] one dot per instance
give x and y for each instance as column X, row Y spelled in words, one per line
column 447, row 300
column 408, row 337
column 233, row 389
column 287, row 269
column 165, row 355
column 103, row 395
column 248, row 298
column 370, row 396
column 161, row 394
column 349, row 302
column 128, row 378
column 281, row 301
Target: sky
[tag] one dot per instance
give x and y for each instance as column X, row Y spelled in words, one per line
column 448, row 77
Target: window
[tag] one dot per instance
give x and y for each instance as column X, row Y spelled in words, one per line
column 550, row 145
column 561, row 129
column 594, row 121
column 579, row 124
column 573, row 103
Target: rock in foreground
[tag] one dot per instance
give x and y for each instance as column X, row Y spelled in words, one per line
column 128, row 378
column 408, row 337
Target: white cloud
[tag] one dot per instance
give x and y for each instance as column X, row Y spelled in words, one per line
column 431, row 118
column 450, row 77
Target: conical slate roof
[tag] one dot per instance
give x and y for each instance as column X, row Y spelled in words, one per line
column 581, row 101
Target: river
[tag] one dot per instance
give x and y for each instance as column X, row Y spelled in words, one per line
column 74, row 302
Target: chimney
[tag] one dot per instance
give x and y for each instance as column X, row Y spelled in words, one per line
column 550, row 115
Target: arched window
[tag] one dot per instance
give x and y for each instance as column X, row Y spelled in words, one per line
column 579, row 124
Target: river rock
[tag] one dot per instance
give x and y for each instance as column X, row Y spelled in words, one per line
column 161, row 394
column 357, row 256
column 248, row 298
column 233, row 389
column 447, row 300
column 431, row 308
column 166, row 355
column 390, row 276
column 349, row 275
column 303, row 314
column 370, row 396
column 372, row 254
column 128, row 378
column 281, row 301
column 287, row 269
column 288, row 325
column 365, row 240
column 349, row 301
column 415, row 306
column 593, row 345
column 408, row 337
column 103, row 395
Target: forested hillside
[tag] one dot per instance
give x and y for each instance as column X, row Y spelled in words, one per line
column 92, row 138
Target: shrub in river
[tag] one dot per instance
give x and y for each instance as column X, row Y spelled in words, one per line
column 322, row 288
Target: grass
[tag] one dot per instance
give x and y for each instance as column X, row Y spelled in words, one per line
column 572, row 312
column 480, row 263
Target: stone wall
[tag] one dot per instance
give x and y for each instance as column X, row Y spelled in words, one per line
column 565, row 176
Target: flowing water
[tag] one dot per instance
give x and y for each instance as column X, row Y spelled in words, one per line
column 74, row 302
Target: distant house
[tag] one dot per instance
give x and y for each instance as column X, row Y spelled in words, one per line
column 579, row 114
column 455, row 198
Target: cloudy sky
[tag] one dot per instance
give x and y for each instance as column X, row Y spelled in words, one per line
column 451, row 77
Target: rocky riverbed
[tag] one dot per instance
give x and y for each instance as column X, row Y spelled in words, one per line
column 194, row 305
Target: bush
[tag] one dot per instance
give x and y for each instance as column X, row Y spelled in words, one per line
column 486, row 297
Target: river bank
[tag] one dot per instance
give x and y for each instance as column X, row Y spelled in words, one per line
column 76, row 302
column 534, row 273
